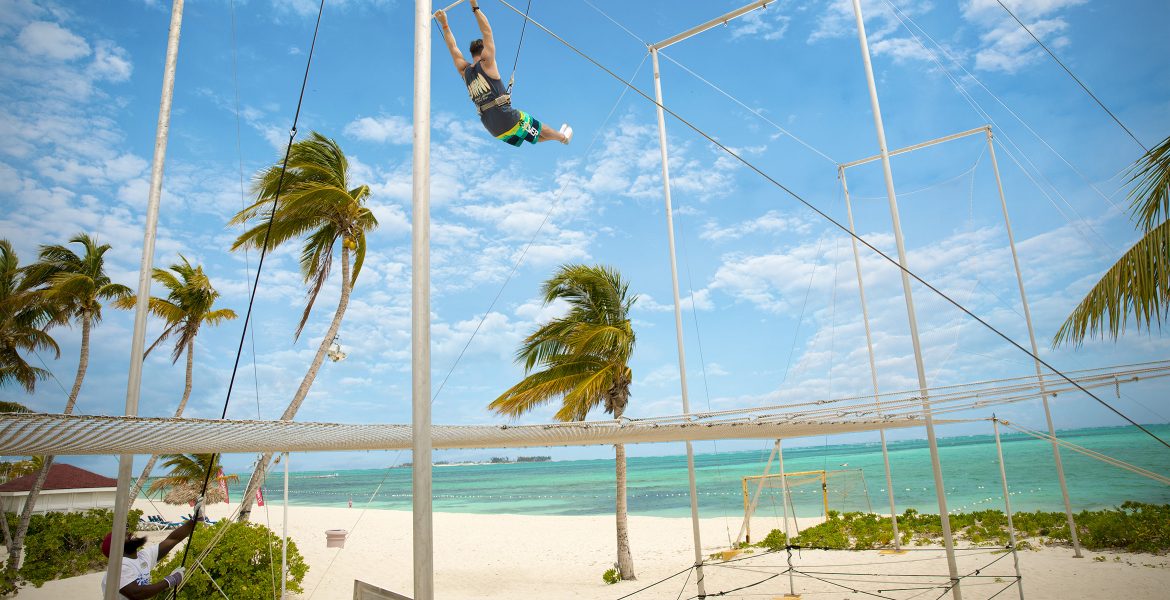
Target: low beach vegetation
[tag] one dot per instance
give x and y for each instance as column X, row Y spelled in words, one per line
column 62, row 545
column 244, row 562
column 1132, row 527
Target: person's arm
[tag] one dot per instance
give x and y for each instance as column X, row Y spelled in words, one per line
column 179, row 534
column 182, row 532
column 136, row 591
column 461, row 63
column 488, row 56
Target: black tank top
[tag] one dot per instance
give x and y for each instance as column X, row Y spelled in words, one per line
column 484, row 89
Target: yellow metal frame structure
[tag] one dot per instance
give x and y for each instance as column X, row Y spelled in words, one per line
column 747, row 510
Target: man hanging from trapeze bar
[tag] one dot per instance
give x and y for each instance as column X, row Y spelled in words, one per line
column 492, row 99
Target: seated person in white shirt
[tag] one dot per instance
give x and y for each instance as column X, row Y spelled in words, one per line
column 138, row 561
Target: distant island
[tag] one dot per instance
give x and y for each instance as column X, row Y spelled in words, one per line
column 495, row 460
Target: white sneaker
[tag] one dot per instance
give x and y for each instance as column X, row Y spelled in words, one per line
column 567, row 132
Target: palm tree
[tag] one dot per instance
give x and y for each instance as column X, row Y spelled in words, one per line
column 315, row 203
column 1138, row 285
column 23, row 319
column 190, row 303
column 74, row 286
column 582, row 359
column 186, row 477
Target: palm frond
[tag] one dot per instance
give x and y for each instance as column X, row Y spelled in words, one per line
column 1150, row 196
column 1137, row 286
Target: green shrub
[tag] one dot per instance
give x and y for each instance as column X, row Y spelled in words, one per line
column 244, row 563
column 60, row 545
column 1134, row 527
column 611, row 576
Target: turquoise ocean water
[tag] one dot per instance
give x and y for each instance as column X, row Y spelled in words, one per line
column 658, row 485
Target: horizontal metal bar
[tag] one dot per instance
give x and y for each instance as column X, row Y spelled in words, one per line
column 933, row 142
column 453, row 5
column 723, row 20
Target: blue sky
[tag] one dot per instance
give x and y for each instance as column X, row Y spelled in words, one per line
column 772, row 314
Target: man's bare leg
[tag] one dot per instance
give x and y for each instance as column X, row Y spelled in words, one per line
column 548, row 133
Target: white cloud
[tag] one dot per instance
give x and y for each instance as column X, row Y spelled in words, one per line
column 43, row 38
column 111, row 63
column 392, row 129
column 1005, row 46
column 771, row 222
column 1009, row 48
column 768, row 24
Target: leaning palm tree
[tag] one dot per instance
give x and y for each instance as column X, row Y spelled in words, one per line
column 190, row 303
column 186, row 476
column 23, row 319
column 315, row 204
column 582, row 359
column 75, row 287
column 1137, row 286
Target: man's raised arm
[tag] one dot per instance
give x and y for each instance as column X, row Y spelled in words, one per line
column 488, row 57
column 461, row 63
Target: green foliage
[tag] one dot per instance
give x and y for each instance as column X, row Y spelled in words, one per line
column 611, row 576
column 63, row 545
column 188, row 470
column 24, row 317
column 1134, row 527
column 245, row 563
column 1137, row 286
column 583, row 357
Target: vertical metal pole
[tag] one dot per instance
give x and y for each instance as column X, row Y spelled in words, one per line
column 784, row 498
column 682, row 361
column 284, row 535
column 872, row 363
column 138, row 342
column 1007, row 505
column 751, row 509
column 1072, row 526
column 940, row 490
column 424, row 572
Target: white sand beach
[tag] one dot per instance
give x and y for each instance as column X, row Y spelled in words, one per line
column 514, row 556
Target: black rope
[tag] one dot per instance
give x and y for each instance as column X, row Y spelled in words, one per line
column 516, row 60
column 842, row 227
column 842, row 586
column 1075, row 78
column 1007, row 587
column 667, row 578
column 742, row 587
column 259, row 267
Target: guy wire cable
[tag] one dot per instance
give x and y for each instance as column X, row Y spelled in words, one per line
column 1075, row 78
column 259, row 266
column 840, row 226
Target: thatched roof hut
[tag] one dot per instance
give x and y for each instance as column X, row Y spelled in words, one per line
column 186, row 494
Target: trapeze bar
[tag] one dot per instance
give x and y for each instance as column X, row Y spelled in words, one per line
column 919, row 146
column 723, row 20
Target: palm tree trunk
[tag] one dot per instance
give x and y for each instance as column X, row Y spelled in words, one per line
column 141, row 481
column 625, row 561
column 262, row 465
column 16, row 549
column 82, row 364
column 4, row 526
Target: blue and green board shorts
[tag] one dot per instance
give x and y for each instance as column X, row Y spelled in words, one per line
column 527, row 129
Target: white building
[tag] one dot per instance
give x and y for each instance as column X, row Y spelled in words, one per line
column 67, row 488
